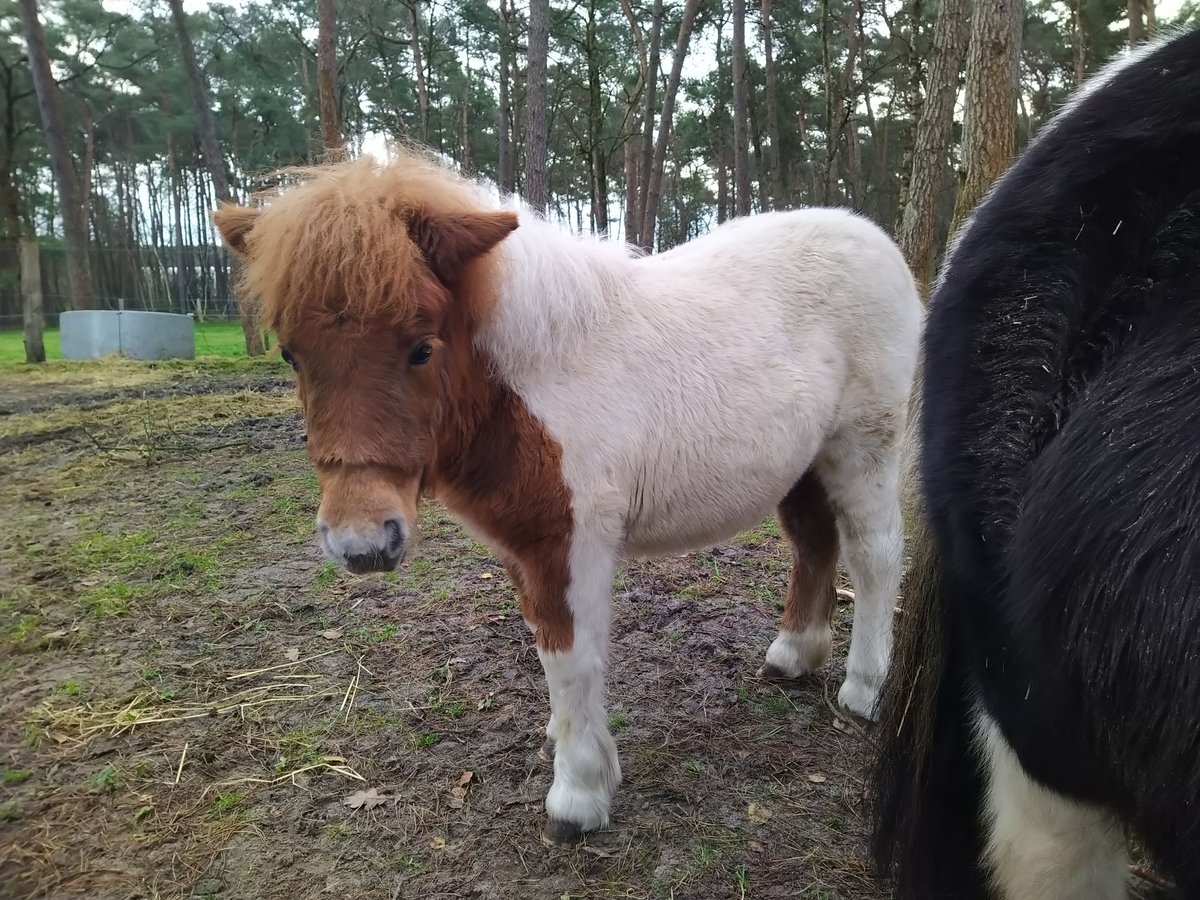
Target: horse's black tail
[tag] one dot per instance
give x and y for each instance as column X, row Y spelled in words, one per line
column 927, row 787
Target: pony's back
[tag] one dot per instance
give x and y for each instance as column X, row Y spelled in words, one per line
column 1056, row 596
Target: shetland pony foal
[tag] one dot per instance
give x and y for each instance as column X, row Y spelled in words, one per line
column 1060, row 414
column 572, row 404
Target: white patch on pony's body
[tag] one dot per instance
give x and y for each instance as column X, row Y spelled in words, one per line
column 690, row 391
column 1040, row 844
column 798, row 652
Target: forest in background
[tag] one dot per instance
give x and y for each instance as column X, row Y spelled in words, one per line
column 647, row 120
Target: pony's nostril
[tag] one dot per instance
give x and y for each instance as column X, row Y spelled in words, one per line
column 395, row 535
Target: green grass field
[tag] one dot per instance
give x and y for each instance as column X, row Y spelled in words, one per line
column 212, row 339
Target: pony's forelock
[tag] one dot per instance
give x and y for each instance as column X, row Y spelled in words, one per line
column 332, row 244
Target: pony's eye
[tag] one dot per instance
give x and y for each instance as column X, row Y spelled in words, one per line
column 287, row 357
column 421, row 354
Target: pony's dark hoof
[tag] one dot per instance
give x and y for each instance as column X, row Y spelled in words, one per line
column 774, row 673
column 558, row 833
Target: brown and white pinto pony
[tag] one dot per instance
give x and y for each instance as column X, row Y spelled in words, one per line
column 574, row 403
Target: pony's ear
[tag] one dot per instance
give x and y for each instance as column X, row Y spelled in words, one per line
column 235, row 223
column 450, row 241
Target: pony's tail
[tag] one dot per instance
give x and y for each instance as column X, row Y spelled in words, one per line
column 928, row 793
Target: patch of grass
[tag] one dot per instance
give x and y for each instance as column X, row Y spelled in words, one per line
column 776, row 704
column 368, row 720
column 121, row 552
column 106, row 780
column 20, row 630
column 834, row 822
column 13, row 777
column 706, row 856
column 618, row 720
column 693, row 767
column 10, row 810
column 327, row 576
column 454, row 709
column 425, row 740
column 377, row 633
column 741, row 880
column 227, row 804
column 110, row 600
column 691, row 592
column 69, row 689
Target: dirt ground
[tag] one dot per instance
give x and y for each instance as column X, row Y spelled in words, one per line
column 193, row 703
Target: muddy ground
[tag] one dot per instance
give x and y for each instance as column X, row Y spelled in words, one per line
column 193, row 703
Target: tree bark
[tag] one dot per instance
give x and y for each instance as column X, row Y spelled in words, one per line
column 597, row 150
column 331, row 129
column 741, row 112
column 653, row 194
column 31, row 301
column 646, row 164
column 915, row 231
column 1137, row 28
column 991, row 99
column 775, row 153
column 537, row 132
column 72, row 202
column 212, row 156
column 419, row 71
column 505, row 157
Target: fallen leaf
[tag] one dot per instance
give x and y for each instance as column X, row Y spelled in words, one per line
column 755, row 847
column 293, row 654
column 465, row 779
column 368, row 799
column 458, row 794
column 817, row 778
column 758, row 814
column 438, row 843
column 331, row 635
column 839, row 725
column 487, row 575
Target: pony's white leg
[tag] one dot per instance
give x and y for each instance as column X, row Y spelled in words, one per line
column 586, row 769
column 861, row 473
column 1040, row 844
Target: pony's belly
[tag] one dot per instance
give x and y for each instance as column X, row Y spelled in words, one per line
column 682, row 524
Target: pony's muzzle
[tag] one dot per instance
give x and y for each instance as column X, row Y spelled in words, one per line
column 379, row 549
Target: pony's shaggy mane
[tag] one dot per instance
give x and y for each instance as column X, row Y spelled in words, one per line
column 332, row 243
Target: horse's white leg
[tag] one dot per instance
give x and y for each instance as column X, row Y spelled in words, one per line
column 586, row 769
column 1040, row 844
column 861, row 473
column 805, row 636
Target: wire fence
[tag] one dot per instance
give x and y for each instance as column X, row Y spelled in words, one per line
column 188, row 279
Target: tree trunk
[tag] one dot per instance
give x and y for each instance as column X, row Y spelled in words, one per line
column 991, row 100
column 775, row 153
column 653, row 194
column 419, row 71
column 1078, row 41
column 212, row 156
column 597, row 150
column 1137, row 28
column 631, row 191
column 72, row 206
column 647, row 159
column 331, row 129
column 741, row 112
column 505, row 160
column 537, row 132
column 31, row 296
column 930, row 157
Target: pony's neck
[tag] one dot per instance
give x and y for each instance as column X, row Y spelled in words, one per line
column 554, row 291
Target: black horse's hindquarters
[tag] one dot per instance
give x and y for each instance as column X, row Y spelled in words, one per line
column 1060, row 434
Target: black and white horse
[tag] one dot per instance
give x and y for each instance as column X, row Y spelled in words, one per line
column 1044, row 700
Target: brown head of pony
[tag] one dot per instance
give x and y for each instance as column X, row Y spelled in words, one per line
column 374, row 278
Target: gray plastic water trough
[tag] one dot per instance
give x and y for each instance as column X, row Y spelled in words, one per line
column 91, row 333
